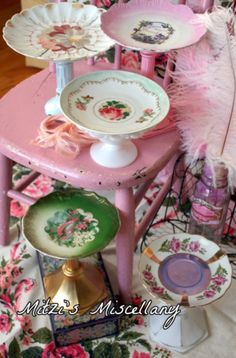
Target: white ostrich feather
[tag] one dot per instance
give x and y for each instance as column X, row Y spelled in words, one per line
column 203, row 93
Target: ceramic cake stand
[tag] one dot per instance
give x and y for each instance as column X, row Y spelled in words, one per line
column 63, row 33
column 154, row 26
column 72, row 224
column 188, row 270
column 114, row 106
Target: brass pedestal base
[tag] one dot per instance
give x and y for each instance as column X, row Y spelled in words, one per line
column 78, row 283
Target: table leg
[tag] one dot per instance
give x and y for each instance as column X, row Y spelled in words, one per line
column 5, row 185
column 124, row 201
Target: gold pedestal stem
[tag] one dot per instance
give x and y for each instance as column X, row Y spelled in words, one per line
column 77, row 283
column 71, row 267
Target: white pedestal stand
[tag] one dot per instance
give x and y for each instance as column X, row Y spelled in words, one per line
column 187, row 331
column 114, row 152
column 64, row 74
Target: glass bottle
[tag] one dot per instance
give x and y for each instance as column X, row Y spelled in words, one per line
column 210, row 203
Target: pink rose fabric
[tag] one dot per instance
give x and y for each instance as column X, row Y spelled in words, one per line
column 5, row 323
column 42, row 186
column 72, row 351
column 6, row 301
column 139, row 320
column 17, row 209
column 5, row 280
column 24, row 286
column 161, row 59
column 130, row 60
column 11, row 290
column 140, row 355
column 26, row 341
column 137, row 300
column 25, row 323
column 50, row 351
column 101, row 3
column 13, row 252
column 3, row 351
column 16, row 271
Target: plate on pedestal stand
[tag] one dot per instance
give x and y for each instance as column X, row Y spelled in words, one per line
column 72, row 224
column 114, row 107
column 189, row 271
column 59, row 32
column 152, row 27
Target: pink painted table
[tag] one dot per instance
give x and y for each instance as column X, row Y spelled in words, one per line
column 21, row 112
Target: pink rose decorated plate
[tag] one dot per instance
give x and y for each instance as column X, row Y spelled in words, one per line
column 57, row 32
column 114, row 102
column 185, row 269
column 153, row 26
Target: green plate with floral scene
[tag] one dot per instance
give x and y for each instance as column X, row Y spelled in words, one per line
column 71, row 224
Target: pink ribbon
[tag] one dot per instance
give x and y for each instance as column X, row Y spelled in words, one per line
column 65, row 137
